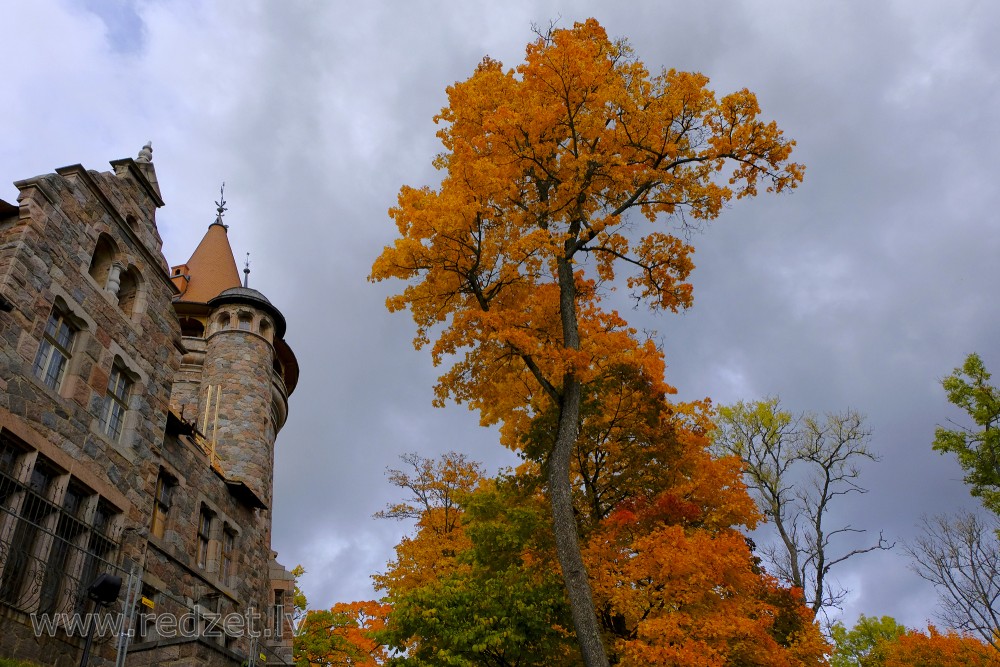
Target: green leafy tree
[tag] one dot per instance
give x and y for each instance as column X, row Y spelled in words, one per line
column 497, row 604
column 977, row 448
column 864, row 645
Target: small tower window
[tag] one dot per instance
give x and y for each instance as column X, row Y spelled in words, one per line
column 246, row 322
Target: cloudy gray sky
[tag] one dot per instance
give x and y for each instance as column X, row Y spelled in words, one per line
column 861, row 289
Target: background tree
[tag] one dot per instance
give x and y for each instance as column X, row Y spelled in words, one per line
column 497, row 602
column 543, row 165
column 342, row 636
column 864, row 645
column 977, row 449
column 434, row 488
column 960, row 555
column 795, row 466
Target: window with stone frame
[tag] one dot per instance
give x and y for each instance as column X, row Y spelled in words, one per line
column 161, row 503
column 228, row 554
column 55, row 350
column 204, row 536
column 115, row 406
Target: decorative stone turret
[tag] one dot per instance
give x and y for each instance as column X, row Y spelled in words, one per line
column 236, row 372
column 243, row 398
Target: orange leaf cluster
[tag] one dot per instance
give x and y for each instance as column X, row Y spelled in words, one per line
column 940, row 650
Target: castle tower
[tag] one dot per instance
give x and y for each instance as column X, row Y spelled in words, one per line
column 236, row 370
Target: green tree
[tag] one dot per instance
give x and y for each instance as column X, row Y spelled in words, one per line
column 977, row 448
column 548, row 166
column 497, row 603
column 864, row 645
column 795, row 467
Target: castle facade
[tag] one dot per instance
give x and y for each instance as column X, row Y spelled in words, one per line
column 139, row 407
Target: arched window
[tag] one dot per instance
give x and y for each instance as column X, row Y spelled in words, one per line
column 246, row 322
column 100, row 263
column 130, row 291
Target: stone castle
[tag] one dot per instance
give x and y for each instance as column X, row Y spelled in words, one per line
column 139, row 406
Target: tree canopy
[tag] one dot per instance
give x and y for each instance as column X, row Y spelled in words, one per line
column 547, row 165
column 977, row 449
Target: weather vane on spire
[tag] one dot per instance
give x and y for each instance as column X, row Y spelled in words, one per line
column 246, row 272
column 221, row 206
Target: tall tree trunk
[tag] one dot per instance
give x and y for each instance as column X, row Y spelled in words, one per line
column 588, row 632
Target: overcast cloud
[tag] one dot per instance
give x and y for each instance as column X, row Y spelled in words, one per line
column 861, row 289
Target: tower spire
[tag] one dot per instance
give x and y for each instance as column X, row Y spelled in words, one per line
column 221, row 206
column 246, row 272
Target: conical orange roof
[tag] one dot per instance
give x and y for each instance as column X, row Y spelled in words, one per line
column 211, row 269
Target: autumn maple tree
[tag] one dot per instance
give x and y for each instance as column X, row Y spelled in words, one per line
column 342, row 635
column 549, row 169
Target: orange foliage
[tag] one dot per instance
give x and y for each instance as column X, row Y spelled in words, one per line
column 544, row 164
column 940, row 650
column 547, row 167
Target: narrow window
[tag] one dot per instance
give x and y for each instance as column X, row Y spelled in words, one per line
column 161, row 504
column 279, row 611
column 54, row 350
column 246, row 322
column 204, row 535
column 228, row 551
column 115, row 403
